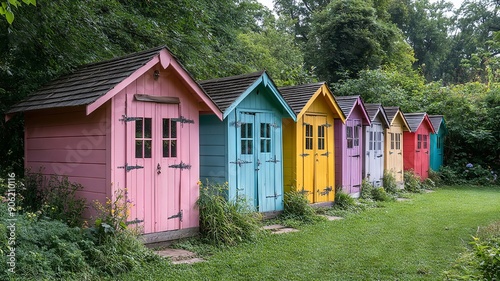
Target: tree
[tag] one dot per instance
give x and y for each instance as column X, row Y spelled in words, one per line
column 347, row 37
column 426, row 27
column 6, row 8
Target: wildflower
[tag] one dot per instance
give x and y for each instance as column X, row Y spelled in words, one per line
column 199, row 183
column 469, row 165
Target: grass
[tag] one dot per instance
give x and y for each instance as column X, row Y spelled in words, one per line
column 411, row 240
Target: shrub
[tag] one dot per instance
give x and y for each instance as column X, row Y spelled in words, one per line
column 48, row 249
column 343, row 200
column 389, row 181
column 297, row 207
column 54, row 197
column 225, row 222
column 366, row 189
column 412, row 181
column 379, row 194
column 435, row 177
column 488, row 253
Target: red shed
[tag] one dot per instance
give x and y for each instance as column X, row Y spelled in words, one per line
column 416, row 144
column 130, row 122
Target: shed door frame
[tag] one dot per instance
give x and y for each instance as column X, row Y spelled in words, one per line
column 258, row 158
column 152, row 186
column 315, row 151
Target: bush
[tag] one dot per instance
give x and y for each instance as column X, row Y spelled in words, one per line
column 366, row 189
column 54, row 197
column 297, row 207
column 390, row 184
column 226, row 222
column 379, row 194
column 48, row 249
column 343, row 200
column 412, row 182
column 435, row 177
column 488, row 253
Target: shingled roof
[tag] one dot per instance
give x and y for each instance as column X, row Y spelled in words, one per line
column 86, row 84
column 375, row 109
column 227, row 91
column 436, row 121
column 415, row 119
column 224, row 91
column 298, row 96
column 90, row 82
column 391, row 111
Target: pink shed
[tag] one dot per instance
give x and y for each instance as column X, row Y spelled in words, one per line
column 128, row 123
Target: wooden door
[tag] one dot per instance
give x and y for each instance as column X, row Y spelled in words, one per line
column 268, row 157
column 315, row 152
column 152, row 187
column 419, row 155
column 354, row 160
column 246, row 163
column 374, row 160
column 425, row 161
column 169, row 168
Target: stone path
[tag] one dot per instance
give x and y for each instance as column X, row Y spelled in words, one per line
column 279, row 229
column 333, row 218
column 179, row 256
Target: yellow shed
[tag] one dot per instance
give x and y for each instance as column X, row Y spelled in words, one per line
column 394, row 143
column 308, row 144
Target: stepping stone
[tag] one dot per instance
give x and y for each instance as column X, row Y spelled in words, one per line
column 285, row 230
column 179, row 256
column 189, row 261
column 273, row 227
column 333, row 218
column 428, row 191
column 402, row 199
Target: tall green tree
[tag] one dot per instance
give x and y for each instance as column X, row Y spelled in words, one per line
column 347, row 37
column 426, row 27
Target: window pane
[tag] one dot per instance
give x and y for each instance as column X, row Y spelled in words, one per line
column 349, row 143
column 173, row 127
column 138, row 129
column 166, row 128
column 147, row 128
column 349, row 132
column 243, row 131
column 166, row 148
column 243, row 147
column 268, row 145
column 173, row 148
column 249, row 130
column 147, row 149
column 249, row 146
column 138, row 149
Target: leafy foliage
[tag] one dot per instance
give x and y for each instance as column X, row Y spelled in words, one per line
column 389, row 181
column 412, row 182
column 297, row 207
column 347, row 37
column 226, row 222
column 343, row 200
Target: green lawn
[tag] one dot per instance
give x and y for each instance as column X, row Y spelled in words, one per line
column 413, row 240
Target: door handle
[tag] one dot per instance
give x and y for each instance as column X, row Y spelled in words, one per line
column 158, row 169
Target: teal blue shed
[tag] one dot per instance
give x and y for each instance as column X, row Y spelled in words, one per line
column 437, row 141
column 245, row 149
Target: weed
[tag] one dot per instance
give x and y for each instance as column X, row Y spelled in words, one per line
column 389, row 181
column 297, row 207
column 412, row 182
column 226, row 222
column 343, row 200
column 366, row 189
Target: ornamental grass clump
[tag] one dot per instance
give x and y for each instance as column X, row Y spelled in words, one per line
column 297, row 207
column 226, row 222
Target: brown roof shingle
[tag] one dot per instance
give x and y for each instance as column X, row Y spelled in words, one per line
column 86, row 84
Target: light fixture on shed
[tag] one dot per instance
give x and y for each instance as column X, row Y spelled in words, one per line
column 156, row 74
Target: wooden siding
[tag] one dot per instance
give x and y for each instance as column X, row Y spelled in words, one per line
column 437, row 142
column 213, row 147
column 66, row 142
column 417, row 158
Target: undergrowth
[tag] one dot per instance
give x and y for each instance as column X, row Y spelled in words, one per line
column 226, row 222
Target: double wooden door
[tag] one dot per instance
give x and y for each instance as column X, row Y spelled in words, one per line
column 258, row 164
column 316, row 150
column 153, row 167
